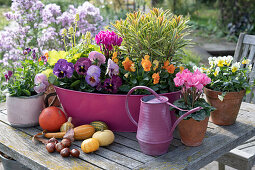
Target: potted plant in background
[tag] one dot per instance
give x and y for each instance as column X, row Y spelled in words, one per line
column 230, row 82
column 25, row 87
column 93, row 73
column 192, row 128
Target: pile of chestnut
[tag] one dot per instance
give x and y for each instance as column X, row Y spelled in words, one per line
column 62, row 147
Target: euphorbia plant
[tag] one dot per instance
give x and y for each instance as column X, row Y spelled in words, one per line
column 192, row 85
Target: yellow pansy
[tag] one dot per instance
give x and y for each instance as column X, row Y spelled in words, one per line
column 217, row 70
column 114, row 57
column 220, row 61
column 156, row 63
column 235, row 67
column 246, row 61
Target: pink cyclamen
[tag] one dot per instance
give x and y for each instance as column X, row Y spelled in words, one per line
column 108, row 39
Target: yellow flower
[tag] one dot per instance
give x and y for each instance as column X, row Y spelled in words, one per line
column 246, row 61
column 126, row 75
column 217, row 70
column 181, row 69
column 128, row 65
column 156, row 78
column 235, row 67
column 156, row 63
column 221, row 62
column 114, row 57
column 146, row 63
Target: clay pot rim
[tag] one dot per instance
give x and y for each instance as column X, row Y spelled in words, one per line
column 229, row 95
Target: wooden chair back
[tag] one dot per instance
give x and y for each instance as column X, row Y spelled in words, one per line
column 245, row 48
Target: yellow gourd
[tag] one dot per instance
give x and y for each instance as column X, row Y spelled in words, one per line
column 105, row 137
column 90, row 145
column 66, row 126
column 80, row 133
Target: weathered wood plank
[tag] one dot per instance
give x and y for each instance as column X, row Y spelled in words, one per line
column 92, row 158
column 237, row 55
column 249, row 39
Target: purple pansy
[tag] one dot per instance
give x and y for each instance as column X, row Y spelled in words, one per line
column 112, row 68
column 8, row 75
column 63, row 69
column 93, row 75
column 26, row 51
column 112, row 85
column 97, row 57
column 41, row 83
column 82, row 65
column 34, row 54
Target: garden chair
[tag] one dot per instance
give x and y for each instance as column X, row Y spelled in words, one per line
column 243, row 157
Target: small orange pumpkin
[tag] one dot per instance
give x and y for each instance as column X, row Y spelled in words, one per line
column 90, row 145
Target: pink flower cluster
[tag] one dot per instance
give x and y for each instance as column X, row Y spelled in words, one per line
column 108, row 39
column 188, row 79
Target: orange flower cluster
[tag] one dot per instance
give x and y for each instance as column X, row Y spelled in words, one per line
column 128, row 65
column 155, row 77
column 114, row 57
column 46, row 55
column 170, row 68
column 146, row 63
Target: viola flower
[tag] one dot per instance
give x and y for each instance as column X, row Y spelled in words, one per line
column 97, row 57
column 156, row 78
column 114, row 57
column 217, row 70
column 146, row 63
column 93, row 75
column 112, row 85
column 246, row 61
column 34, row 54
column 166, row 64
column 170, row 69
column 221, row 61
column 44, row 57
column 112, row 68
column 63, row 69
column 235, row 67
column 81, row 66
column 41, row 83
column 8, row 75
column 26, row 51
column 181, row 69
column 128, row 65
column 156, row 63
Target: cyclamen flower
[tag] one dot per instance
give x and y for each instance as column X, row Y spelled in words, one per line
column 41, row 83
column 63, row 69
column 82, row 65
column 112, row 85
column 112, row 68
column 8, row 75
column 108, row 39
column 93, row 75
column 97, row 57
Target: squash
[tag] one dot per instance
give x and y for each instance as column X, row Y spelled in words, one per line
column 80, row 133
column 90, row 145
column 66, row 126
column 52, row 118
column 105, row 137
column 99, row 125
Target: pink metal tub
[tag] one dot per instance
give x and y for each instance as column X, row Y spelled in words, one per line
column 86, row 107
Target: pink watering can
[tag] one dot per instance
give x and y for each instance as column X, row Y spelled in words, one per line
column 155, row 130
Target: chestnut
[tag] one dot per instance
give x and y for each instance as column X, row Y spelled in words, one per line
column 50, row 147
column 59, row 147
column 66, row 142
column 75, row 153
column 53, row 140
column 65, row 152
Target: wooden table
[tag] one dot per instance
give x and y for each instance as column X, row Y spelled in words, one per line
column 125, row 153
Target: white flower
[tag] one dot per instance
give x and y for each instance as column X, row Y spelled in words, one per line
column 235, row 66
column 246, row 61
column 217, row 70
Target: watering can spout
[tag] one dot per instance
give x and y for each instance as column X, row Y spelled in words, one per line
column 182, row 117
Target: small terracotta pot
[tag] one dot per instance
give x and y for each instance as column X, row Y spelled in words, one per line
column 192, row 132
column 227, row 110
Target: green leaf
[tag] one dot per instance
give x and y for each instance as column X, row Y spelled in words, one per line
column 19, row 69
column 77, row 82
column 26, row 92
column 52, row 78
column 125, row 88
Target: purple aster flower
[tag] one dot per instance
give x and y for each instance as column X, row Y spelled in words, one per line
column 26, row 51
column 82, row 65
column 41, row 83
column 8, row 75
column 63, row 69
column 112, row 68
column 93, row 75
column 97, row 57
column 112, row 85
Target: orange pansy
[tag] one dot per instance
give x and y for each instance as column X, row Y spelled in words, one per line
column 146, row 63
column 181, row 68
column 170, row 69
column 128, row 65
column 155, row 77
column 166, row 63
column 114, row 57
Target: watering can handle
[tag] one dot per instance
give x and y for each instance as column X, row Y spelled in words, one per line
column 130, row 92
column 183, row 116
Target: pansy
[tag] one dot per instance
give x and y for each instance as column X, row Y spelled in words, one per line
column 114, row 57
column 128, row 65
column 63, row 69
column 220, row 61
column 246, row 61
column 34, row 54
column 112, row 84
column 26, row 51
column 146, row 63
column 217, row 70
column 112, row 68
column 81, row 66
column 97, row 57
column 170, row 69
column 41, row 83
column 156, row 78
column 8, row 75
column 235, row 66
column 156, row 64
column 93, row 75
column 181, row 69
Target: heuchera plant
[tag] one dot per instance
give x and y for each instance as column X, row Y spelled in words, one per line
column 192, row 85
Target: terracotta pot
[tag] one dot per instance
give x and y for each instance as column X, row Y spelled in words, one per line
column 24, row 111
column 192, row 132
column 227, row 110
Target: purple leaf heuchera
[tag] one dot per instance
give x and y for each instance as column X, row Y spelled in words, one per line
column 112, row 85
column 93, row 75
column 82, row 65
column 41, row 83
column 63, row 69
column 112, row 68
